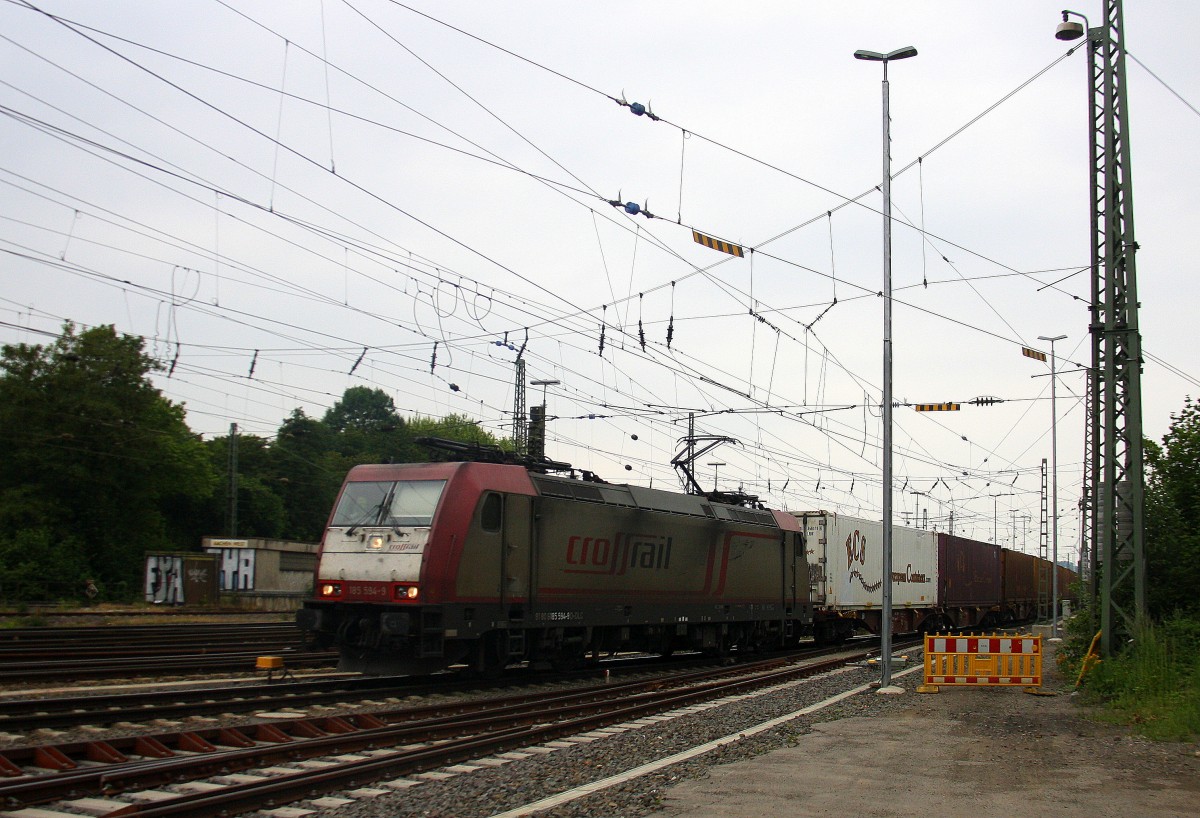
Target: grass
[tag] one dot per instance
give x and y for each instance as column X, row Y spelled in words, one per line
column 1154, row 685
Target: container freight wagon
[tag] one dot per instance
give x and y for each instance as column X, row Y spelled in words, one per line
column 1020, row 590
column 428, row 565
column 969, row 583
column 845, row 556
column 1067, row 578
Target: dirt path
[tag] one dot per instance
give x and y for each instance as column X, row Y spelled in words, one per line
column 961, row 752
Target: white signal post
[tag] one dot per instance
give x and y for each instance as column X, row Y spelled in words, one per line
column 885, row 630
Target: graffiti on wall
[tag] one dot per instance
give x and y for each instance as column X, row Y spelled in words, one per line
column 164, row 579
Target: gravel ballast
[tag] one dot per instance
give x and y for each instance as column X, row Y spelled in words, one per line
column 492, row 790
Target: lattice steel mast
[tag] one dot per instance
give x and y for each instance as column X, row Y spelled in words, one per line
column 520, row 421
column 1116, row 476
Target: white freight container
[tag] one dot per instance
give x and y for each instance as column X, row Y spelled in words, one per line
column 845, row 557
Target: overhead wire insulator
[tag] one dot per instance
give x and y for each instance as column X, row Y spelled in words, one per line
column 632, row 208
column 636, row 108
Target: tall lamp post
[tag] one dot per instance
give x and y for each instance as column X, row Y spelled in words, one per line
column 1053, row 486
column 716, row 472
column 885, row 635
column 537, row 432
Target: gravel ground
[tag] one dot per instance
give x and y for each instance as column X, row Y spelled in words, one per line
column 486, row 792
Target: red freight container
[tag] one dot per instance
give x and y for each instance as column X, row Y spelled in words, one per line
column 969, row 582
column 1066, row 582
column 968, row 573
column 1020, row 577
column 1021, row 584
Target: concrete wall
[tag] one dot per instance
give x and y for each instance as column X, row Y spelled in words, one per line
column 259, row 573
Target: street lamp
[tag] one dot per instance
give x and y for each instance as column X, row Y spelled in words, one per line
column 716, row 471
column 537, row 432
column 917, row 513
column 885, row 632
column 544, row 385
column 1071, row 31
column 1053, row 484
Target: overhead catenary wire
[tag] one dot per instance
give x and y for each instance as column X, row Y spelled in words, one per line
column 759, row 308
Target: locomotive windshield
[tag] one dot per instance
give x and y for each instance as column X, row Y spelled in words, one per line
column 403, row 502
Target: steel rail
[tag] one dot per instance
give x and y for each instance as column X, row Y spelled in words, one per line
column 599, row 704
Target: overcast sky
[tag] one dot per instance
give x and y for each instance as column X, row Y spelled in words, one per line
column 287, row 199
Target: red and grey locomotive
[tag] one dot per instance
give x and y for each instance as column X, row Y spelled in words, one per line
column 427, row 565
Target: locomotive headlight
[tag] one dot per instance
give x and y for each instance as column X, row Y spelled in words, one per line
column 331, row 589
column 375, row 542
column 412, row 592
column 406, row 592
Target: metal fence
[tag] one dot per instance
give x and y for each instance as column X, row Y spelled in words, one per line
column 999, row 659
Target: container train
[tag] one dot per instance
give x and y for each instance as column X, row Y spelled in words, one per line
column 429, row 565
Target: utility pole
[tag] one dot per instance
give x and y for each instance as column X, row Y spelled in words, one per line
column 1053, row 481
column 1044, row 569
column 233, row 480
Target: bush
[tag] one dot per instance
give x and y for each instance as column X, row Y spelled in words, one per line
column 37, row 566
column 1155, row 684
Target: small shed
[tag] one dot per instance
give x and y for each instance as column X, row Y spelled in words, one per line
column 263, row 574
column 180, row 579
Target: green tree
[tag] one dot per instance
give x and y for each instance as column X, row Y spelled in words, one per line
column 367, row 429
column 363, row 409
column 1173, row 516
column 92, row 455
column 260, row 506
column 308, row 471
column 451, row 427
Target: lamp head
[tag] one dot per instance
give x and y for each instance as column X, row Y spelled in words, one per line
column 875, row 56
column 1068, row 30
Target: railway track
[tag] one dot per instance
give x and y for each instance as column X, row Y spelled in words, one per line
column 50, row 654
column 95, row 709
column 348, row 751
column 124, row 640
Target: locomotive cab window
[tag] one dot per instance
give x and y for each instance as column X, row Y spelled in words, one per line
column 491, row 515
column 399, row 503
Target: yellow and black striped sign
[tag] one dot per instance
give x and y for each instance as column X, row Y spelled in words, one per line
column 1033, row 353
column 937, row 407
column 717, row 244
